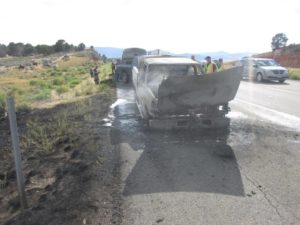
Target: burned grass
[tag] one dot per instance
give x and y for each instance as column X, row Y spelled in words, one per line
column 71, row 169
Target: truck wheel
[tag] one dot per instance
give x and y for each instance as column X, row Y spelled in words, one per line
column 259, row 77
column 281, row 80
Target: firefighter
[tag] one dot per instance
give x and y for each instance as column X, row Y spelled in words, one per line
column 210, row 66
column 220, row 65
column 96, row 75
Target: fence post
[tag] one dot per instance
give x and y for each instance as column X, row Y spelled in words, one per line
column 16, row 150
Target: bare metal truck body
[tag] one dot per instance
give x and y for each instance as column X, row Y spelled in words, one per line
column 173, row 92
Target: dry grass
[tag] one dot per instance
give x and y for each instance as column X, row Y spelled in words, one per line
column 49, row 86
column 42, row 137
column 294, row 73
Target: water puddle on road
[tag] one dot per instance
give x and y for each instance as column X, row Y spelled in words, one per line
column 109, row 120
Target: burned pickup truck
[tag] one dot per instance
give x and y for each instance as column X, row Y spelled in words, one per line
column 173, row 92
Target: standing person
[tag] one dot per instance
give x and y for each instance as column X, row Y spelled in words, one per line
column 96, row 75
column 210, row 66
column 220, row 65
column 92, row 72
column 193, row 57
column 113, row 67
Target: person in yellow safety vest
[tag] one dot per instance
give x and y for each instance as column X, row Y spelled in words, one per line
column 210, row 66
column 220, row 65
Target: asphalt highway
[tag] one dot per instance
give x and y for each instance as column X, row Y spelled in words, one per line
column 248, row 175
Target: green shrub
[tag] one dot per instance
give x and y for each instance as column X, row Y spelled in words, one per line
column 103, row 88
column 43, row 84
column 62, row 89
column 75, row 82
column 294, row 73
column 81, row 72
column 58, row 73
column 68, row 78
column 58, row 81
column 33, row 82
column 42, row 94
column 14, row 90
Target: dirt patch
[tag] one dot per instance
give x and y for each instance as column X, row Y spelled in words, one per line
column 71, row 170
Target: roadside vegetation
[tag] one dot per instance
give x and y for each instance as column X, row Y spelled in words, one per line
column 294, row 73
column 20, row 49
column 67, row 154
column 63, row 82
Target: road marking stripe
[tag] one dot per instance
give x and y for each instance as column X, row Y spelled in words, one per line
column 276, row 89
column 275, row 116
column 287, row 91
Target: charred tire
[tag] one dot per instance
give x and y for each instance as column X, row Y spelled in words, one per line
column 259, row 77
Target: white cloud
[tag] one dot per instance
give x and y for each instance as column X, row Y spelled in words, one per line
column 178, row 26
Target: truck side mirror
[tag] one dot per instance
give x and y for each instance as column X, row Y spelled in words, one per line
column 255, row 66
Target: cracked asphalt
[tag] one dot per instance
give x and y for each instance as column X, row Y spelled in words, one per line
column 248, row 175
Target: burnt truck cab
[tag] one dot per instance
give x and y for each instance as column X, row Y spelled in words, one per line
column 174, row 92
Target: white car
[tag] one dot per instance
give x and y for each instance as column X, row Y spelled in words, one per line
column 261, row 69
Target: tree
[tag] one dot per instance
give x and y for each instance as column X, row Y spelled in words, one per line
column 104, row 58
column 3, row 50
column 59, row 45
column 279, row 41
column 15, row 49
column 81, row 47
column 44, row 49
column 28, row 50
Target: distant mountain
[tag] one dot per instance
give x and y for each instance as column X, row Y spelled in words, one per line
column 111, row 52
column 216, row 55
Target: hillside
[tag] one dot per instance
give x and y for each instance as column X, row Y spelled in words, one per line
column 67, row 152
column 288, row 56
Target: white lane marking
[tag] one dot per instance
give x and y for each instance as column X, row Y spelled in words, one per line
column 275, row 89
column 272, row 115
column 287, row 91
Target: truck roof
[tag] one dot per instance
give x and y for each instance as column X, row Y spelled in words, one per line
column 129, row 53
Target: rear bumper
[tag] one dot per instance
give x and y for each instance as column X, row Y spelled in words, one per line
column 188, row 122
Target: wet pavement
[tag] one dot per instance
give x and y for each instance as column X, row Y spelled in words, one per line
column 248, row 174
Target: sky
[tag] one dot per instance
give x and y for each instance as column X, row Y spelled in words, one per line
column 178, row 26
